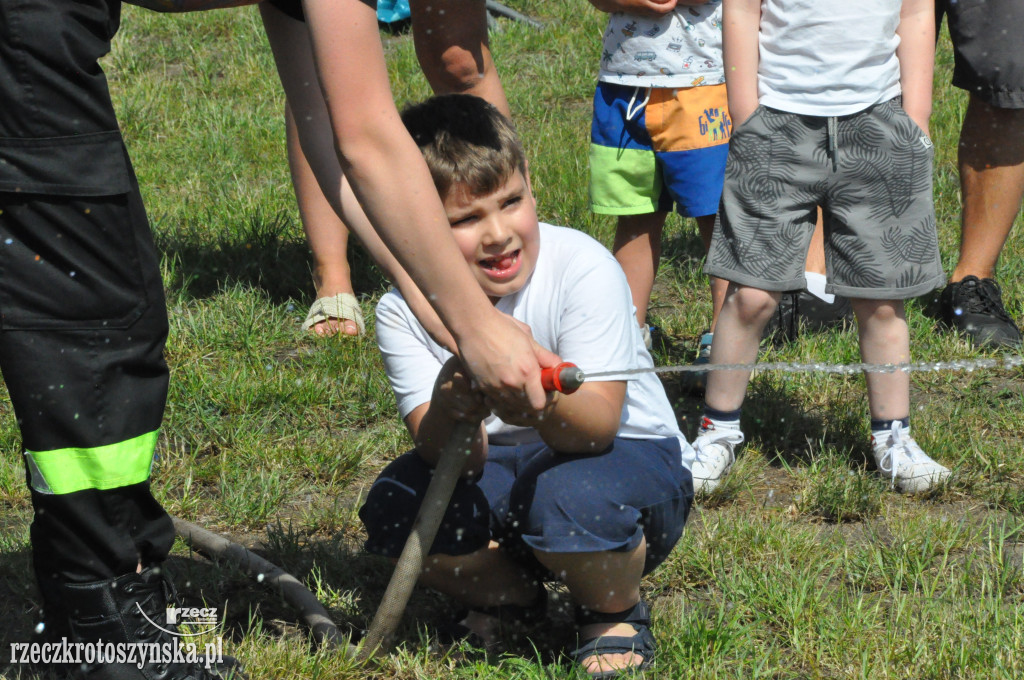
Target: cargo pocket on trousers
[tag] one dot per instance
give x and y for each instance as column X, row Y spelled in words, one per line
column 70, row 263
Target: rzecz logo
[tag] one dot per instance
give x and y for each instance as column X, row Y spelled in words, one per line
column 205, row 618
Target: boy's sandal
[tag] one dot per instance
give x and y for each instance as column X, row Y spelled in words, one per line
column 342, row 306
column 641, row 644
column 506, row 615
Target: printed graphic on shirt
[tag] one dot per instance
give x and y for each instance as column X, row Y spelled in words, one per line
column 682, row 48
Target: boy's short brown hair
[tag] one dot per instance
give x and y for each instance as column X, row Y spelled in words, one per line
column 465, row 141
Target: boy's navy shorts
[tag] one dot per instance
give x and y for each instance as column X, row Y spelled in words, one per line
column 871, row 174
column 530, row 497
column 988, row 56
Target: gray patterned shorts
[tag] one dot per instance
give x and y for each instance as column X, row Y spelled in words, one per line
column 871, row 174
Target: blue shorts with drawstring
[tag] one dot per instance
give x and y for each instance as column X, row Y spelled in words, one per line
column 530, row 497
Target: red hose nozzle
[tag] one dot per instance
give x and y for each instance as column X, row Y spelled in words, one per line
column 565, row 378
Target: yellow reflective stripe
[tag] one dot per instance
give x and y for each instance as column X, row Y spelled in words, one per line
column 111, row 466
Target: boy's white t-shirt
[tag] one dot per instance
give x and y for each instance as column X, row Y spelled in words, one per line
column 683, row 48
column 578, row 304
column 828, row 57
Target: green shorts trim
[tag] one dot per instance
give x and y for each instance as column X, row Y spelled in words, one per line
column 64, row 471
column 628, row 183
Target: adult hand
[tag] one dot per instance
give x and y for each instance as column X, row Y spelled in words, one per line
column 505, row 362
column 647, row 8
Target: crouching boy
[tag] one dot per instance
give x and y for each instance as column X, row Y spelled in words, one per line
column 593, row 491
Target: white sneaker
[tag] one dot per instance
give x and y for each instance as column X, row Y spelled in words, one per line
column 716, row 452
column 908, row 467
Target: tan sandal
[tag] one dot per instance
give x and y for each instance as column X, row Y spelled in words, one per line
column 342, row 306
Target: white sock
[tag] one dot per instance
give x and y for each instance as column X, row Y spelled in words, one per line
column 816, row 286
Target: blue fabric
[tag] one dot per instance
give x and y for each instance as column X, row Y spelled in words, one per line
column 609, row 126
column 691, row 178
column 390, row 11
column 694, row 178
column 532, row 498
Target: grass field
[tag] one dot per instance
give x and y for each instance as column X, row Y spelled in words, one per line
column 802, row 565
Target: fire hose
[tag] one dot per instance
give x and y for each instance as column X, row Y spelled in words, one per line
column 291, row 589
column 564, row 377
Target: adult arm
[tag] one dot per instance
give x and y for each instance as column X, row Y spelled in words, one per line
column 916, row 54
column 391, row 181
column 741, row 20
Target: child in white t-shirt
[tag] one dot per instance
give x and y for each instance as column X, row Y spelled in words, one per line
column 596, row 490
column 831, row 102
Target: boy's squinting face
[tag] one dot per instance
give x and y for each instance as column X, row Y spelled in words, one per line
column 497, row 233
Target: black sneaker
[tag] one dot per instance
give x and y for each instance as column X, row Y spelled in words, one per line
column 783, row 328
column 801, row 309
column 974, row 307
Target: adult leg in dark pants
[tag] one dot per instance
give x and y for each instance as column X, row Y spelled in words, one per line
column 989, row 64
column 82, row 332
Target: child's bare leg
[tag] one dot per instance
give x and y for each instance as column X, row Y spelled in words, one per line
column 638, row 249
column 485, row 578
column 744, row 314
column 451, row 46
column 719, row 287
column 326, row 233
column 884, row 339
column 602, row 582
column 816, row 251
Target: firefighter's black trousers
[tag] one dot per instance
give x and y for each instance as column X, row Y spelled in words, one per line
column 82, row 314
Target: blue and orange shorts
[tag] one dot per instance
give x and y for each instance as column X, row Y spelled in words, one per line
column 651, row 148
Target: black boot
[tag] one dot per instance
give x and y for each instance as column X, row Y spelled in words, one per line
column 133, row 609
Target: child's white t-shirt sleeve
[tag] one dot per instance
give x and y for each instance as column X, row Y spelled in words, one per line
column 597, row 329
column 411, row 359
